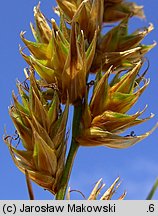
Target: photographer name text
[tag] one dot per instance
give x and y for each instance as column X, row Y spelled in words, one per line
column 69, row 208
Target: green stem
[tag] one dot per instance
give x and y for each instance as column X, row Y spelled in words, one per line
column 153, row 190
column 72, row 153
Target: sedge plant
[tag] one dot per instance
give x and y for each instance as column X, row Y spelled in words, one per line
column 61, row 62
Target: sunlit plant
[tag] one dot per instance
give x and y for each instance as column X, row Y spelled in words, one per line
column 77, row 63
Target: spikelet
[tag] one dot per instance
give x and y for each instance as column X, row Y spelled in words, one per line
column 67, row 55
column 41, row 129
column 98, row 189
column 104, row 118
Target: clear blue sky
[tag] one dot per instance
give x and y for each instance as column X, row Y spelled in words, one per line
column 137, row 166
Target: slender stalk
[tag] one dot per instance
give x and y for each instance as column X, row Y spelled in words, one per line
column 72, row 153
column 29, row 186
column 153, row 190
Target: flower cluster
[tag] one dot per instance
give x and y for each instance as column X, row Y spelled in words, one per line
column 41, row 128
column 64, row 57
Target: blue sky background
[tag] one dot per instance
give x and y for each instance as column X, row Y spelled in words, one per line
column 137, row 166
